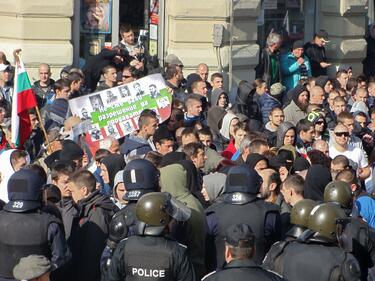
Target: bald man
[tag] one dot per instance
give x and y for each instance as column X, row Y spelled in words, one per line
column 202, row 70
column 322, row 146
column 44, row 86
column 355, row 155
column 316, row 95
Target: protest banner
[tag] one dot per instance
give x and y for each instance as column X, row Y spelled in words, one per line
column 114, row 112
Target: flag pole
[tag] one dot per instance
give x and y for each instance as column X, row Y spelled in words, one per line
column 43, row 128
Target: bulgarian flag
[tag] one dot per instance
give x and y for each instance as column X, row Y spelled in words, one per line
column 23, row 100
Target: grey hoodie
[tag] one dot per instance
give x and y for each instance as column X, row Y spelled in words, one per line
column 281, row 131
column 215, row 96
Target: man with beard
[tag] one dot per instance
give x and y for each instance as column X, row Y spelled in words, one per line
column 276, row 118
column 296, row 110
column 270, row 192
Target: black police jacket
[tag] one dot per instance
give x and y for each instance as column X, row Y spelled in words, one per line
column 234, row 208
column 23, row 234
column 151, row 258
column 297, row 261
column 241, row 270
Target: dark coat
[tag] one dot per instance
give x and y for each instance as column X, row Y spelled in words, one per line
column 316, row 55
column 89, row 235
column 263, row 69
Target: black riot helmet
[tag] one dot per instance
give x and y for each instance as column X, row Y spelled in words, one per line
column 243, row 179
column 140, row 177
column 154, row 211
column 339, row 192
column 242, row 185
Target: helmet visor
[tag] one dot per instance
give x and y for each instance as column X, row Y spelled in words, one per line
column 177, row 210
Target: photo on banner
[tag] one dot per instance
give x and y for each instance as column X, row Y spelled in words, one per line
column 114, row 112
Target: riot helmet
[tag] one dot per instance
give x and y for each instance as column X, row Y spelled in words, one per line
column 243, row 179
column 154, row 211
column 299, row 216
column 327, row 221
column 25, row 190
column 339, row 192
column 140, row 177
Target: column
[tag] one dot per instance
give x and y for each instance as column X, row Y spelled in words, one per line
column 189, row 35
column 344, row 20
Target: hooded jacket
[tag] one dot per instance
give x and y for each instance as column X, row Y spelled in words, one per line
column 317, row 178
column 281, row 131
column 293, row 113
column 225, row 127
column 245, row 102
column 89, row 234
column 173, row 179
column 215, row 95
column 114, row 163
column 134, row 145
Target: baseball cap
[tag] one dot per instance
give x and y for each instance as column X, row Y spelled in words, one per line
column 3, row 67
column 240, row 235
column 297, row 44
column 173, row 59
column 323, row 35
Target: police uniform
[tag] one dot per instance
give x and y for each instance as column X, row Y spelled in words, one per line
column 150, row 258
column 239, row 204
column 240, row 240
column 241, row 270
column 24, row 229
column 298, row 261
column 315, row 255
column 150, row 255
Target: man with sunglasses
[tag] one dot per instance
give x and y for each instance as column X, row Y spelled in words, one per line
column 355, row 155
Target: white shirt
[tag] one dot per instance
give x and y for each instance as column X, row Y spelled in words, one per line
column 355, row 155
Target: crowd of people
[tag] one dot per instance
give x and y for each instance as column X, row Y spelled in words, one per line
column 271, row 181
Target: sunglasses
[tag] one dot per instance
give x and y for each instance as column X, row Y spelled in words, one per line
column 340, row 134
column 126, row 76
column 319, row 122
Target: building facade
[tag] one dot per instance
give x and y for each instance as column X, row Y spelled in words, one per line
column 225, row 34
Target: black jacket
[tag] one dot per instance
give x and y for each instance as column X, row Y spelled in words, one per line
column 150, row 253
column 94, row 66
column 241, row 270
column 264, row 68
column 89, row 235
column 316, row 55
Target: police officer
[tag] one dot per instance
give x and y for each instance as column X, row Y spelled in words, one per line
column 240, row 204
column 239, row 251
column 25, row 229
column 151, row 254
column 299, row 216
column 140, row 177
column 362, row 245
column 316, row 254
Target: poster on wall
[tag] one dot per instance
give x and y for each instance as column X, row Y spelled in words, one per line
column 96, row 16
column 114, row 112
column 154, row 12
